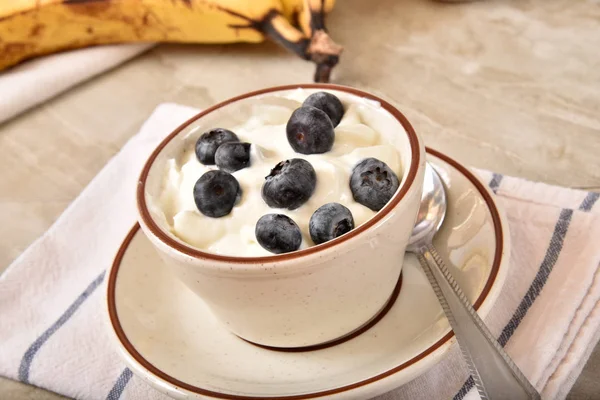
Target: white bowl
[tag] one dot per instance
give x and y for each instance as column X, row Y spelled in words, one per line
column 307, row 297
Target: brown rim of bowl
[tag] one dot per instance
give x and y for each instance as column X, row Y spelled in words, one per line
column 148, row 221
column 112, row 310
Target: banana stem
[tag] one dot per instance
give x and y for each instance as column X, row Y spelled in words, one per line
column 324, row 52
column 318, row 47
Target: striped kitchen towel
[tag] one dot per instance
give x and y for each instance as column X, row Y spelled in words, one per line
column 52, row 323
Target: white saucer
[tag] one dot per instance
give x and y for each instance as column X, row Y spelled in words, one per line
column 167, row 335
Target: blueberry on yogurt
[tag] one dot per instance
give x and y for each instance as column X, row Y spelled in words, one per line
column 209, row 142
column 330, row 221
column 310, row 131
column 327, row 102
column 290, row 184
column 278, row 233
column 373, row 183
column 215, row 193
column 233, row 156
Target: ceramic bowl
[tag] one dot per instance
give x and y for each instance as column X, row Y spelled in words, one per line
column 307, row 297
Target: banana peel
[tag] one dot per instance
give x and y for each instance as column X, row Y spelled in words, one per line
column 32, row 28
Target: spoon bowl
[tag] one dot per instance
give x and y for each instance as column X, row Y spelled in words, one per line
column 431, row 212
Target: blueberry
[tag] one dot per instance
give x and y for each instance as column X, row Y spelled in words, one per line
column 290, row 184
column 209, row 142
column 373, row 183
column 310, row 131
column 278, row 233
column 330, row 221
column 233, row 156
column 216, row 192
column 327, row 102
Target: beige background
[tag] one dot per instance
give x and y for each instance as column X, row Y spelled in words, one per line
column 508, row 85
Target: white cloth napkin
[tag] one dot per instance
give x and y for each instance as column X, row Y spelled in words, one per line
column 35, row 81
column 53, row 333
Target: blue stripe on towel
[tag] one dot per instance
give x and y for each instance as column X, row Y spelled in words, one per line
column 556, row 244
column 119, row 386
column 552, row 253
column 29, row 355
column 495, row 182
column 589, row 201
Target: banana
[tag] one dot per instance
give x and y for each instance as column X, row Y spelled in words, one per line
column 31, row 28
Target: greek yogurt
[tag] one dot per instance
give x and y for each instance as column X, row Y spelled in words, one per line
column 234, row 234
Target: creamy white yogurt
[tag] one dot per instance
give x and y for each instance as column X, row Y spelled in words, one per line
column 233, row 234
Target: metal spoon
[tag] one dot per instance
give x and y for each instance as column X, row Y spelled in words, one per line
column 496, row 376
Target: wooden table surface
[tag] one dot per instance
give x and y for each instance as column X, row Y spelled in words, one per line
column 508, row 85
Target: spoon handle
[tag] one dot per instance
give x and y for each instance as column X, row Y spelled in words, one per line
column 496, row 376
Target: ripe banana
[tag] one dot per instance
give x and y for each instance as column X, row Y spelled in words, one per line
column 30, row 28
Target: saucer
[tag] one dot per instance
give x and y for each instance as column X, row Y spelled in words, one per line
column 168, row 336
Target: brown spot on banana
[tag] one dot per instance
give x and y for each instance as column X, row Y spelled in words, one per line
column 88, row 7
column 251, row 22
column 36, row 30
column 9, row 16
column 295, row 18
column 150, row 18
column 9, row 49
column 86, row 2
column 186, row 2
